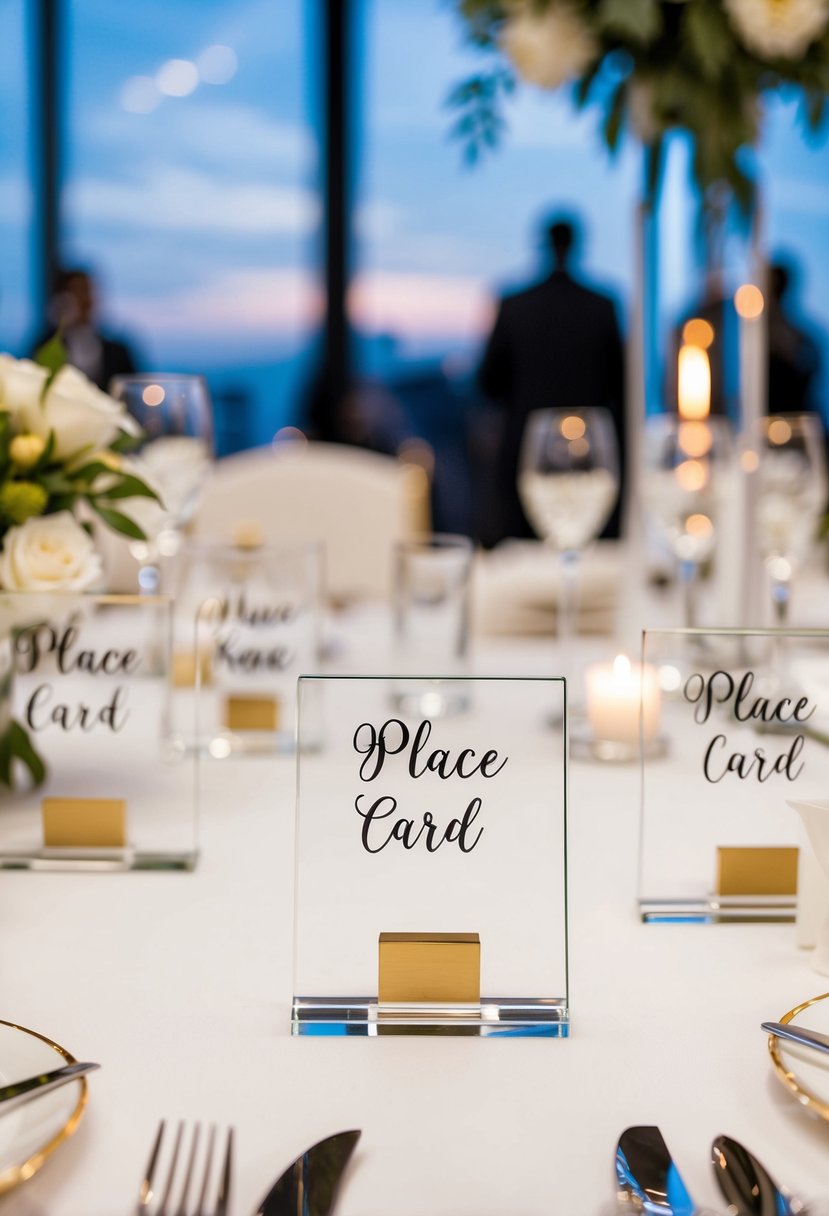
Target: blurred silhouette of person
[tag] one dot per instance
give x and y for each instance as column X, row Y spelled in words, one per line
column 794, row 355
column 555, row 344
column 95, row 352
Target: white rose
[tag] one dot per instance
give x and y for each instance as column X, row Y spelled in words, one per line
column 49, row 553
column 78, row 412
column 21, row 383
column 778, row 29
column 547, row 48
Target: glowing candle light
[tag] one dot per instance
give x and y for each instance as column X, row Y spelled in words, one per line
column 615, row 693
column 694, row 378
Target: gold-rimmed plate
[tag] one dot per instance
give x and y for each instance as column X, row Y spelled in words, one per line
column 803, row 1070
column 31, row 1133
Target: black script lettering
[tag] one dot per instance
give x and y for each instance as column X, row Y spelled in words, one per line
column 439, row 761
column 42, row 713
column 263, row 614
column 393, row 737
column 759, row 765
column 762, row 707
column 32, row 644
column 378, row 745
column 404, row 830
column 701, row 692
column 238, row 657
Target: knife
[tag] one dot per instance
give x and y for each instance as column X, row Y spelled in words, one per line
column 309, row 1185
column 798, row 1034
column 14, row 1095
column 648, row 1180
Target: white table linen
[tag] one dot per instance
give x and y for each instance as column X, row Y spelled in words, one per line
column 180, row 985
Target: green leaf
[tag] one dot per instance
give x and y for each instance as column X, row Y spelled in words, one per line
column 45, row 456
column 122, row 485
column 129, row 486
column 126, row 443
column 118, row 521
column 15, row 744
column 93, row 469
column 5, row 440
column 52, row 354
column 640, row 21
column 57, row 483
column 707, row 37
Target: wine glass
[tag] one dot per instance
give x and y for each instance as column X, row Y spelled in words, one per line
column 175, row 414
column 791, row 497
column 685, row 474
column 568, row 483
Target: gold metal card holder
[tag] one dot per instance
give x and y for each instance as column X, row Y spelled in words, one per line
column 433, row 968
column 762, row 870
column 251, row 713
column 83, row 823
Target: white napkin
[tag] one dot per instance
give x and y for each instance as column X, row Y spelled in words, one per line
column 517, row 588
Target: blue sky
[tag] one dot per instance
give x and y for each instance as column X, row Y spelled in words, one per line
column 202, row 216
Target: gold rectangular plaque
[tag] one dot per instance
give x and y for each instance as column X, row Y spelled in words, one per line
column 764, row 870
column 71, row 823
column 430, row 967
column 251, row 713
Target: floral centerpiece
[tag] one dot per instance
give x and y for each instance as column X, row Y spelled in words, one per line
column 60, row 469
column 653, row 65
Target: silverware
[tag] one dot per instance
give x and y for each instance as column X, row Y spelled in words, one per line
column 748, row 1188
column 309, row 1185
column 798, row 1034
column 180, row 1186
column 647, row 1178
column 14, row 1095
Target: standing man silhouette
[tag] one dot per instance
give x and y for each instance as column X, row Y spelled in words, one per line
column 554, row 345
column 73, row 313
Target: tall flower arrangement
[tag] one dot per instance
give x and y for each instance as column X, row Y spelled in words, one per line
column 60, row 469
column 652, row 65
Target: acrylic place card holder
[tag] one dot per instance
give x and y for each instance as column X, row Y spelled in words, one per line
column 89, row 780
column 248, row 621
column 431, row 888
column 745, row 720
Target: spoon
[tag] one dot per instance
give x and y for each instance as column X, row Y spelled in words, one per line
column 746, row 1184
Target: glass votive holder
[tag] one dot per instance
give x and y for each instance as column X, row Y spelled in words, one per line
column 431, row 589
column 623, row 713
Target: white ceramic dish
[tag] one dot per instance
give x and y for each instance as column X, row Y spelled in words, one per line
column 31, row 1133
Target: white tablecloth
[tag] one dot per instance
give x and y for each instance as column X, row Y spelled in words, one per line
column 180, row 985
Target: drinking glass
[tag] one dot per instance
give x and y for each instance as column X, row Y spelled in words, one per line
column 431, row 617
column 175, row 414
column 685, row 478
column 791, row 497
column 568, row 482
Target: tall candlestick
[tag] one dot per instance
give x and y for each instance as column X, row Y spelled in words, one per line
column 749, row 305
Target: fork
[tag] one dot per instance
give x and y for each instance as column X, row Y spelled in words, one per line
column 148, row 1191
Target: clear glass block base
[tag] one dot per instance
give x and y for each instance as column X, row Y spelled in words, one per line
column 719, row 909
column 495, row 1017
column 94, row 860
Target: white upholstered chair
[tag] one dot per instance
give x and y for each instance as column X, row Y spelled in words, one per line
column 356, row 501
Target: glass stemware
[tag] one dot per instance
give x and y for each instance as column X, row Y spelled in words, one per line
column 568, row 482
column 684, row 483
column 791, row 497
column 176, row 416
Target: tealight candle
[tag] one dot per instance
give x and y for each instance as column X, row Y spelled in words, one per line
column 614, row 692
